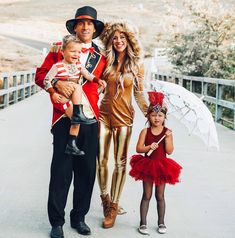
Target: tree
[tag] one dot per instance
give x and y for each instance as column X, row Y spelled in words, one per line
column 206, row 47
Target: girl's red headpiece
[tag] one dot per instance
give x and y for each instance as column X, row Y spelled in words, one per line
column 156, row 101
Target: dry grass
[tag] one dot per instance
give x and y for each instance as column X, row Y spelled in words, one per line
column 45, row 21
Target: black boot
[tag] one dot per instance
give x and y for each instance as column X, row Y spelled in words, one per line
column 71, row 148
column 78, row 116
column 57, row 232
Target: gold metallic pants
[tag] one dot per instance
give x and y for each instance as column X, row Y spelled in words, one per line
column 121, row 137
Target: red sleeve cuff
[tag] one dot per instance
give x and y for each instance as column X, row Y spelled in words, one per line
column 51, row 91
column 96, row 80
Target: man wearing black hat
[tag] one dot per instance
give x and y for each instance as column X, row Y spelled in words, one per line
column 86, row 27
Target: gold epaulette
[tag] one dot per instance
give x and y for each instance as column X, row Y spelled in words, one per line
column 56, row 47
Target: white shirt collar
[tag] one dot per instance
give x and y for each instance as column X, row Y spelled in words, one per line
column 84, row 56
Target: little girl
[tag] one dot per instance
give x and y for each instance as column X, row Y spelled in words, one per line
column 70, row 69
column 154, row 168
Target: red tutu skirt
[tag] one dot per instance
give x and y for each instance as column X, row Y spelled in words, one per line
column 157, row 171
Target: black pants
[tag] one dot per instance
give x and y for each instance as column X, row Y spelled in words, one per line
column 64, row 168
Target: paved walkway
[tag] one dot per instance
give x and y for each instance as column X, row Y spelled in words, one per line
column 39, row 45
column 201, row 206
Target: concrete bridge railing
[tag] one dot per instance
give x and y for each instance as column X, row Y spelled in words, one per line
column 218, row 94
column 16, row 86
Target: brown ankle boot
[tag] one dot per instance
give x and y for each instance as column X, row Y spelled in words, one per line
column 109, row 220
column 106, row 203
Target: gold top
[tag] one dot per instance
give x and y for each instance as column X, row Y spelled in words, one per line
column 116, row 106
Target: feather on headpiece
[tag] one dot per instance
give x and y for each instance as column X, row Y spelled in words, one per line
column 156, row 101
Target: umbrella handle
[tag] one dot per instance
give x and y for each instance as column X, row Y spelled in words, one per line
column 151, row 151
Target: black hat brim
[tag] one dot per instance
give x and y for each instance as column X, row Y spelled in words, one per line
column 99, row 26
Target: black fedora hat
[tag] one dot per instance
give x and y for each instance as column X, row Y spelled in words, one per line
column 82, row 13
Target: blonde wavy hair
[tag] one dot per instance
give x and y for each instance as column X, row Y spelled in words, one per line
column 133, row 51
column 68, row 39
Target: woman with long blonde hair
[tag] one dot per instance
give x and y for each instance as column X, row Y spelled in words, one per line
column 124, row 74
